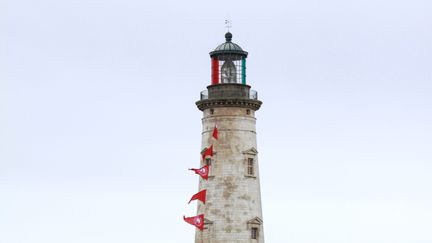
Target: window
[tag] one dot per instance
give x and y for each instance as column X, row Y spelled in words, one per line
column 250, row 166
column 208, row 161
column 211, row 111
column 254, row 233
column 250, row 163
column 254, row 225
column 247, row 112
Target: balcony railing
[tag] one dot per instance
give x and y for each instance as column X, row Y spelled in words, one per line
column 253, row 95
column 204, row 95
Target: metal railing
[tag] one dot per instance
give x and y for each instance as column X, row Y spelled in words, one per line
column 253, row 95
column 204, row 95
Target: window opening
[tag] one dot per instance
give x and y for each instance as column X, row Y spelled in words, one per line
column 254, row 233
column 208, row 161
column 250, row 166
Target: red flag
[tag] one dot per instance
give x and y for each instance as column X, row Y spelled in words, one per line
column 197, row 221
column 203, row 171
column 207, row 152
column 200, row 196
column 215, row 132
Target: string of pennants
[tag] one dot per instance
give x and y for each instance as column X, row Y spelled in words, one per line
column 203, row 172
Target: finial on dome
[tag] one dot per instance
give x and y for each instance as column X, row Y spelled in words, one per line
column 228, row 37
column 228, row 24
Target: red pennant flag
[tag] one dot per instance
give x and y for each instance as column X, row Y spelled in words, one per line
column 207, row 152
column 197, row 221
column 215, row 132
column 203, row 171
column 199, row 196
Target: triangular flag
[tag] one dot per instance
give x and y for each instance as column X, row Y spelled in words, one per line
column 207, row 152
column 199, row 196
column 203, row 171
column 215, row 133
column 197, row 221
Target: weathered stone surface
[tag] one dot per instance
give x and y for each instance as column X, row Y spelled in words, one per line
column 229, row 95
column 233, row 197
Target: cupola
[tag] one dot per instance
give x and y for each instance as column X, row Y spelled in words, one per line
column 228, row 63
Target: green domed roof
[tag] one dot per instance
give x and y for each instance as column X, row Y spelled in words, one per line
column 228, row 48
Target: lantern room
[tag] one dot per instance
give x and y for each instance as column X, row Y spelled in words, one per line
column 228, row 63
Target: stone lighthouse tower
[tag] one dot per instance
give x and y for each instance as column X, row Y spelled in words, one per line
column 233, row 210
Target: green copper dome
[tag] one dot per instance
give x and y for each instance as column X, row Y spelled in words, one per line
column 228, row 48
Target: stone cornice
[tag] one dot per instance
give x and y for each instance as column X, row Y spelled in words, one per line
column 251, row 151
column 228, row 102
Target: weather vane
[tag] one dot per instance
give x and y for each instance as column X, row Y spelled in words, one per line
column 228, row 24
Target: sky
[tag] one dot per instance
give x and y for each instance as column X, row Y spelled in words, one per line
column 98, row 124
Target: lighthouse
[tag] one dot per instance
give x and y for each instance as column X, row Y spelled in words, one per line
column 232, row 212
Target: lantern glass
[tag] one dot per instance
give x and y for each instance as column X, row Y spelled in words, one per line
column 230, row 69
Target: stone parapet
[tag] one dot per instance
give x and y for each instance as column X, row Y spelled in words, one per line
column 229, row 95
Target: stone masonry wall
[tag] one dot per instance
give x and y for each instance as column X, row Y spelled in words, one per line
column 233, row 197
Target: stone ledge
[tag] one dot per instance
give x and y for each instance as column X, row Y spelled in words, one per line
column 246, row 103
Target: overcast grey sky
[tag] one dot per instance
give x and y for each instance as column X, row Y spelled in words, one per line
column 98, row 123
